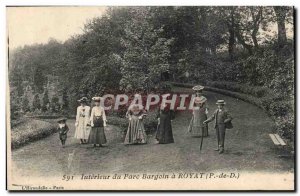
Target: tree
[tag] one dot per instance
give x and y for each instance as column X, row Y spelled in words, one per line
column 281, row 12
column 257, row 17
column 215, row 28
column 146, row 52
column 247, row 25
column 93, row 57
column 16, row 80
column 25, row 104
column 65, row 100
column 131, row 47
column 39, row 79
column 45, row 101
column 228, row 16
column 36, row 104
column 15, row 104
column 54, row 105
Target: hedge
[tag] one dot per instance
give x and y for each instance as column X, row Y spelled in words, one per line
column 279, row 109
column 29, row 131
column 150, row 122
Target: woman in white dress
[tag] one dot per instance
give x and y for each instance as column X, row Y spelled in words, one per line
column 82, row 121
column 98, row 122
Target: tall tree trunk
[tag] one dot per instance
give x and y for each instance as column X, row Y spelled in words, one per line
column 280, row 18
column 231, row 42
column 242, row 41
column 254, row 38
column 257, row 18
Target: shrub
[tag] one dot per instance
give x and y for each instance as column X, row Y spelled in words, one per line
column 150, row 122
column 15, row 107
column 36, row 104
column 280, row 108
column 45, row 101
column 265, row 103
column 25, row 104
column 115, row 120
column 286, row 126
column 261, row 92
column 65, row 101
column 29, row 131
column 257, row 91
column 15, row 100
column 54, row 105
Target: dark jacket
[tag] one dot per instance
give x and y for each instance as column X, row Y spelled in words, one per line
column 63, row 131
column 224, row 116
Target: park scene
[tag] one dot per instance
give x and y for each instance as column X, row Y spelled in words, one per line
column 233, row 60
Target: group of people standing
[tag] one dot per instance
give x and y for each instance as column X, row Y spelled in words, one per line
column 199, row 123
column 90, row 123
column 136, row 132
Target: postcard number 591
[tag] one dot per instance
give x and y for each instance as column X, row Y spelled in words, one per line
column 67, row 177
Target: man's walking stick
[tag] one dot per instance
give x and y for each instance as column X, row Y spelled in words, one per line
column 201, row 139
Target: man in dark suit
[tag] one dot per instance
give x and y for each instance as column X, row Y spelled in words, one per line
column 222, row 121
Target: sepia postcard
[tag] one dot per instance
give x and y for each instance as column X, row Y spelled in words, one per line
column 150, row 98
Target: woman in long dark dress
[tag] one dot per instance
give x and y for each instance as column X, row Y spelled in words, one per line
column 98, row 122
column 164, row 134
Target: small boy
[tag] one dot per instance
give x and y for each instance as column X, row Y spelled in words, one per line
column 222, row 122
column 62, row 130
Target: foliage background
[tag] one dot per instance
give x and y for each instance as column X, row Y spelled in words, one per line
column 135, row 49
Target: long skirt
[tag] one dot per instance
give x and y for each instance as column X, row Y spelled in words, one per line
column 82, row 130
column 97, row 136
column 196, row 127
column 164, row 134
column 136, row 132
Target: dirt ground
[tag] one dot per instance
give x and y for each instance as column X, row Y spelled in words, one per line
column 248, row 147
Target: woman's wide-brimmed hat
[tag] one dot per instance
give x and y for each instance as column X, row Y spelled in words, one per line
column 62, row 120
column 198, row 88
column 200, row 99
column 83, row 100
column 97, row 99
column 135, row 107
column 221, row 102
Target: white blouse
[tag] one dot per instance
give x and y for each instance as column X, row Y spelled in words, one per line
column 98, row 111
column 83, row 112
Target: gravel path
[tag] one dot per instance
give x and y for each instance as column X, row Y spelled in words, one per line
column 247, row 148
